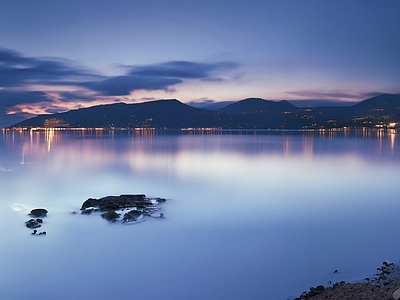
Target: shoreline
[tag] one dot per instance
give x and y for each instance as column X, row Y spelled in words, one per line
column 381, row 286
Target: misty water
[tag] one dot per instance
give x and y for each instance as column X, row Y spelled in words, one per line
column 249, row 215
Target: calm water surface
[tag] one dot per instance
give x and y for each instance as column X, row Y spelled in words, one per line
column 249, row 215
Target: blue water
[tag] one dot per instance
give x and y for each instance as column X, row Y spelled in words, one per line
column 249, row 215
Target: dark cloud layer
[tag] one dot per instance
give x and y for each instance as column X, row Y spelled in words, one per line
column 158, row 77
column 10, row 98
column 335, row 95
column 124, row 85
column 17, row 70
column 69, row 96
column 183, row 69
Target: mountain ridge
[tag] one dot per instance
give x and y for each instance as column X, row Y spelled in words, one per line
column 249, row 113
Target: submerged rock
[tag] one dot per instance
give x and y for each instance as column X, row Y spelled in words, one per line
column 32, row 223
column 38, row 212
column 35, row 232
column 110, row 216
column 90, row 203
column 131, row 216
column 88, row 211
column 114, row 202
column 112, row 207
column 37, row 222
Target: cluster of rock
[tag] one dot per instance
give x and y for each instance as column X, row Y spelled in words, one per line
column 383, row 285
column 314, row 291
column 124, row 208
column 36, row 221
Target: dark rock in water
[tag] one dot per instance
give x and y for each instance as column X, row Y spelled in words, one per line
column 143, row 203
column 88, row 211
column 90, row 203
column 137, row 205
column 113, row 202
column 131, row 216
column 32, row 223
column 314, row 291
column 110, row 216
column 38, row 212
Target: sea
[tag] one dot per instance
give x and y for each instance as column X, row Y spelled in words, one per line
column 248, row 214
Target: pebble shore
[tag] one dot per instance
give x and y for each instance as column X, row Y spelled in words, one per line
column 381, row 286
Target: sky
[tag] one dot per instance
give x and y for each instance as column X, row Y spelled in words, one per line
column 62, row 55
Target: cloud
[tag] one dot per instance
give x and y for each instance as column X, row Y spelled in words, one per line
column 205, row 102
column 183, row 70
column 333, row 95
column 73, row 96
column 17, row 70
column 11, row 98
column 124, row 85
column 160, row 76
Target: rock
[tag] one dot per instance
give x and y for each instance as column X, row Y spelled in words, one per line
column 143, row 203
column 131, row 216
column 115, row 202
column 111, row 206
column 38, row 212
column 90, row 203
column 32, row 223
column 88, row 211
column 111, row 216
column 314, row 291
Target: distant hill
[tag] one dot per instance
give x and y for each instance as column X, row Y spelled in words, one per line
column 380, row 109
column 170, row 114
column 260, row 113
column 251, row 113
column 210, row 105
column 319, row 103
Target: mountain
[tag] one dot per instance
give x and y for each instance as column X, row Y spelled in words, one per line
column 264, row 114
column 251, row 113
column 319, row 103
column 210, row 105
column 381, row 109
column 170, row 114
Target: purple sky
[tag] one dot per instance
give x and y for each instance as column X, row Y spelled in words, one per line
column 59, row 55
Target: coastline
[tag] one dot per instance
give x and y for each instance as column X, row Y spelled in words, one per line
column 381, row 286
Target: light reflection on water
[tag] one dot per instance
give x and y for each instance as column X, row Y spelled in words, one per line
column 276, row 211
